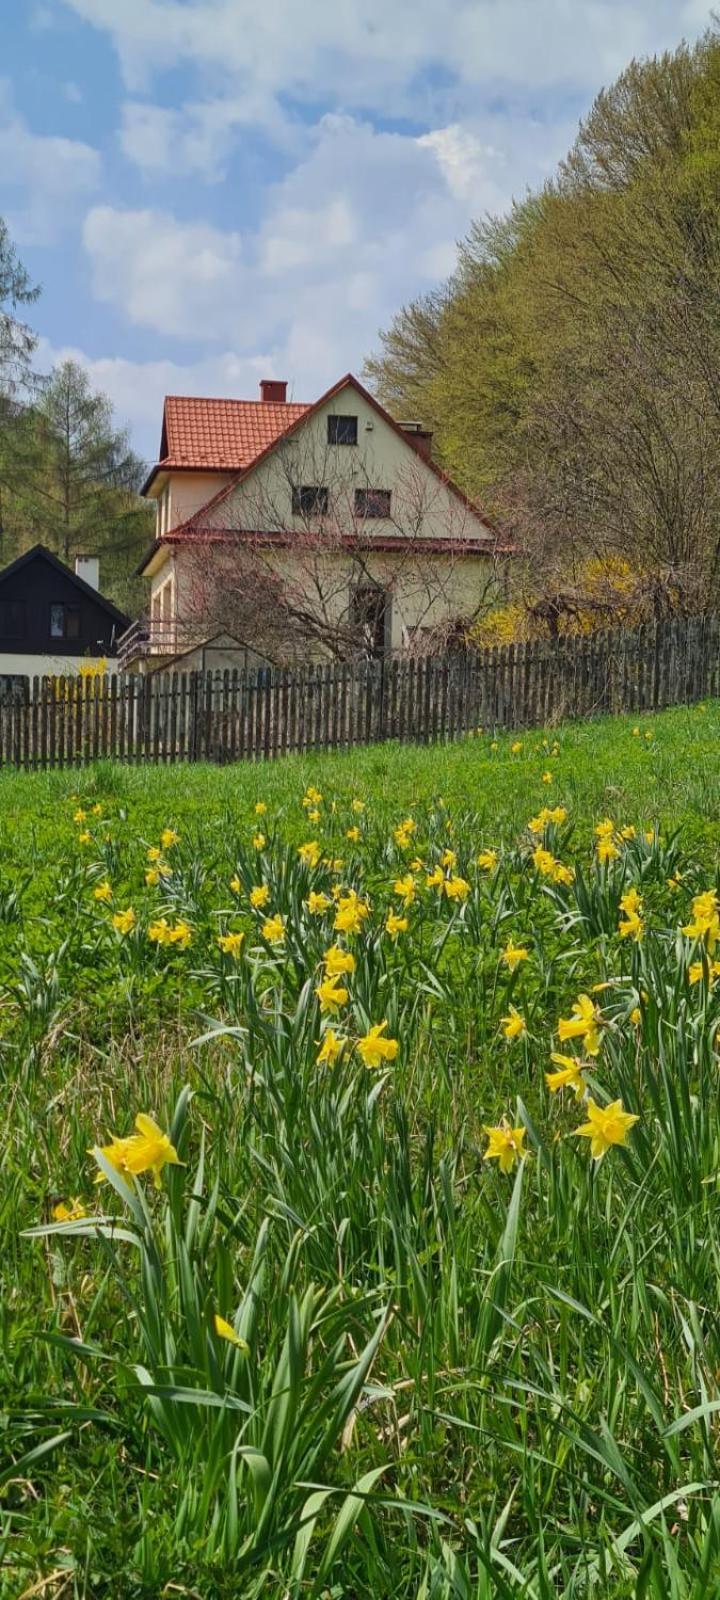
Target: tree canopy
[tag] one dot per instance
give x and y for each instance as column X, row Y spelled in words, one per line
column 68, row 477
column 570, row 369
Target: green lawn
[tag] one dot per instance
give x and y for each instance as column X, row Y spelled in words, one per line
column 432, row 1377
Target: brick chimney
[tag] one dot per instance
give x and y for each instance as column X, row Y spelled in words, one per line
column 421, row 437
column 274, row 390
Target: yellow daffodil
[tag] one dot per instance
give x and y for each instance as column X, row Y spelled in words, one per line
column 606, row 1126
column 547, row 777
column 337, row 961
column 514, row 1024
column 231, row 944
column 225, row 1330
column 606, row 850
column 705, row 924
column 312, row 797
column 259, row 841
column 146, row 1150
column 404, row 832
column 374, row 1049
column 273, row 929
column 568, row 1076
column 331, row 1048
column 435, row 879
column 74, row 1212
column 351, row 913
column 84, row 837
column 353, row 834
column 513, row 954
column 516, row 747
column 505, row 1145
column 395, row 925
column 405, row 888
column 488, row 860
column 154, row 853
column 260, row 808
column 635, row 1016
column 456, row 888
column 259, row 896
column 102, row 891
column 318, row 904
column 314, row 816
column 358, row 806
column 124, row 921
column 168, row 838
column 235, row 884
column 631, row 926
column 331, row 995
column 583, row 1024
column 309, row 853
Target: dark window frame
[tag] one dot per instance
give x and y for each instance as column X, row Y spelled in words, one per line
column 70, row 621
column 310, row 500
column 381, row 624
column 373, row 503
column 17, row 628
column 339, row 425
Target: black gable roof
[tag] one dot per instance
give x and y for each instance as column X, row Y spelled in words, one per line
column 41, row 552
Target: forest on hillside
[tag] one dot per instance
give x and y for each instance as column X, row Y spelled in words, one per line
column 570, row 368
column 68, row 477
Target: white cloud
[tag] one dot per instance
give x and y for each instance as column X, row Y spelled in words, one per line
column 171, row 276
column 195, row 139
column 365, row 220
column 464, row 161
column 44, row 179
column 377, row 55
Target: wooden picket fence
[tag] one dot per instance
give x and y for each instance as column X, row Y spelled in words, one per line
column 235, row 716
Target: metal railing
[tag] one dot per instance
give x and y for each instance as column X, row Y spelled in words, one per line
column 155, row 636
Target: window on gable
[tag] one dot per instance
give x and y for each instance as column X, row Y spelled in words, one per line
column 342, row 430
column 12, row 619
column 64, row 622
column 372, row 502
column 310, row 501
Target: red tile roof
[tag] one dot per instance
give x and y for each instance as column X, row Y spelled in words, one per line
column 222, row 435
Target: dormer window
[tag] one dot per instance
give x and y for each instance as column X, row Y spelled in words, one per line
column 342, row 430
column 310, row 501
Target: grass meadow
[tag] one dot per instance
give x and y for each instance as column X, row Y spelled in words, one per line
column 360, row 1152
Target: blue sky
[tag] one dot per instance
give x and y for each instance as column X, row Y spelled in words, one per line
column 215, row 191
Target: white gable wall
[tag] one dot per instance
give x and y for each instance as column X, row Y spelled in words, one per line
column 422, row 506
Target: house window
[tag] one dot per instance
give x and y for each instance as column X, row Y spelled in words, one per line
column 342, row 430
column 12, row 619
column 64, row 622
column 310, row 501
column 372, row 502
column 370, row 618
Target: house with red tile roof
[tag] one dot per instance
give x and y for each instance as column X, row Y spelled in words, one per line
column 288, row 531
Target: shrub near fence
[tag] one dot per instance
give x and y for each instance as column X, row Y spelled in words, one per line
column 234, row 716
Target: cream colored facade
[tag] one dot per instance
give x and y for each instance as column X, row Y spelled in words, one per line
column 424, row 587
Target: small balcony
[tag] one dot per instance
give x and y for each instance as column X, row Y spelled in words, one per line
column 150, row 641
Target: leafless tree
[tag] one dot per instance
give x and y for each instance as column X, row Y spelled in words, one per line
column 312, row 556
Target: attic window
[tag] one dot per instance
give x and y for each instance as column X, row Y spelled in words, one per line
column 64, row 622
column 342, row 430
column 372, row 502
column 12, row 619
column 310, row 501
